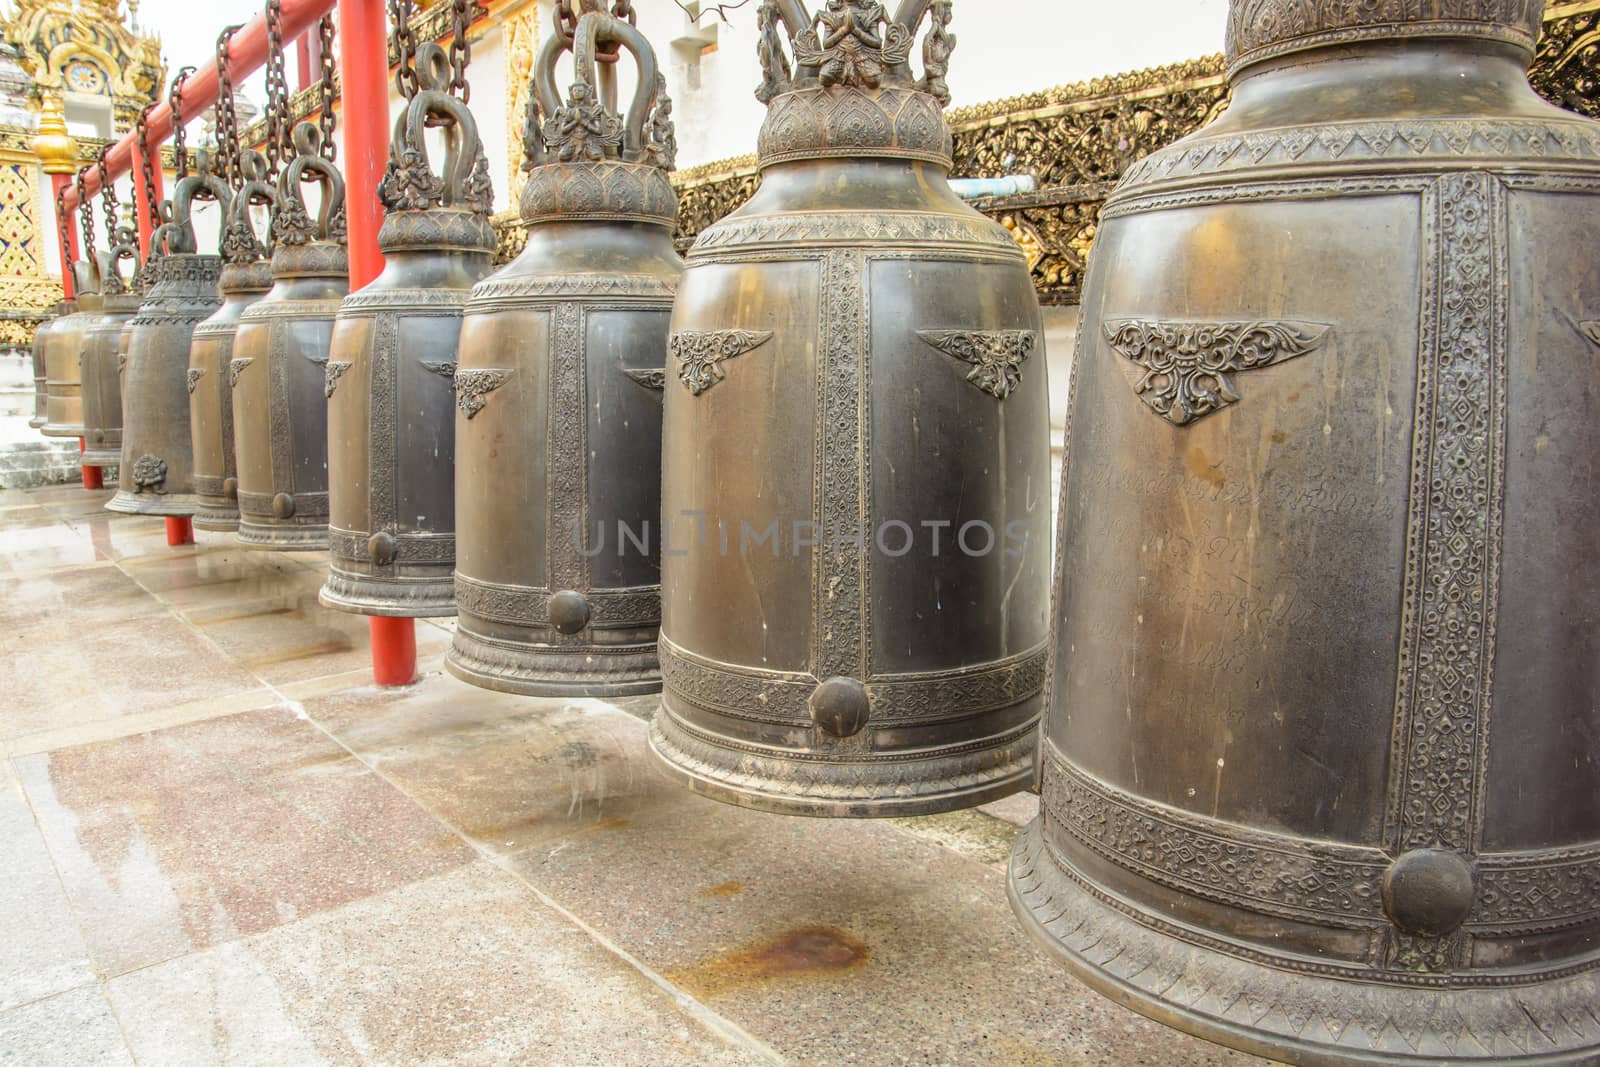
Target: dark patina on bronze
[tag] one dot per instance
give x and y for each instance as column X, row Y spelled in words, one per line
column 391, row 373
column 156, row 474
column 559, row 392
column 1317, row 774
column 279, row 367
column 857, row 356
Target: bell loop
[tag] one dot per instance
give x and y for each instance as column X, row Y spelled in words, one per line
column 410, row 184
column 586, row 126
column 241, row 244
column 201, row 185
column 293, row 225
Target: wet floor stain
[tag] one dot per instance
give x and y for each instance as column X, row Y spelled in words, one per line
column 805, row 952
column 268, row 613
column 723, row 889
column 290, row 655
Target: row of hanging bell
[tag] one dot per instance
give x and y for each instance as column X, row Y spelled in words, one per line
column 63, row 349
column 391, row 372
column 246, row 277
column 280, row 359
column 156, row 475
column 41, row 348
column 101, row 371
column 558, row 432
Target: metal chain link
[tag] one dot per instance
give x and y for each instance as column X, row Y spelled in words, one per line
column 462, row 15
column 180, row 151
column 326, row 120
column 405, row 46
column 227, row 115
column 64, row 226
column 109, row 206
column 567, row 25
column 141, row 127
column 85, row 213
column 279, row 146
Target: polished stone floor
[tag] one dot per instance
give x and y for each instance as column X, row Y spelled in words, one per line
column 219, row 843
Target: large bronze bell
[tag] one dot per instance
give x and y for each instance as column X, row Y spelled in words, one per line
column 156, row 475
column 280, row 356
column 246, row 277
column 855, row 488
column 558, row 436
column 102, row 341
column 41, row 345
column 63, row 356
column 390, row 377
column 1320, row 771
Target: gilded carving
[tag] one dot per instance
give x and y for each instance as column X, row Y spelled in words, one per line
column 1187, row 365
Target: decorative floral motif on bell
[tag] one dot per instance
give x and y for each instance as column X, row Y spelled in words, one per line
column 855, row 595
column 1309, row 784
column 389, row 376
column 246, row 277
column 555, row 438
column 155, row 393
column 280, row 346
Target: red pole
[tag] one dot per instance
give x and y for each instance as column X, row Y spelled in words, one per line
column 364, row 71
column 69, row 251
column 91, row 475
column 303, row 60
column 180, row 531
column 141, row 202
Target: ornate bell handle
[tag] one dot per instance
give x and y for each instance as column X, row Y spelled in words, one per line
column 127, row 247
column 256, row 189
column 202, row 185
column 432, row 103
column 910, row 12
column 595, row 27
column 309, row 165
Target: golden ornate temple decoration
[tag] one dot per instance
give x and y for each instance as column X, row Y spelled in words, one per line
column 1077, row 140
column 66, row 51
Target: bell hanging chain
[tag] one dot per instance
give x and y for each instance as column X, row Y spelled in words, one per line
column 462, row 14
column 325, row 88
column 279, row 149
column 227, row 116
column 109, row 206
column 85, row 213
column 180, row 151
column 147, row 167
column 567, row 24
column 405, row 46
column 63, row 226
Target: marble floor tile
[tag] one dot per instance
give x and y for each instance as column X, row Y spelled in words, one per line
column 183, row 838
column 108, row 670
column 61, row 604
column 74, row 1029
column 464, row 968
column 508, row 771
column 41, row 952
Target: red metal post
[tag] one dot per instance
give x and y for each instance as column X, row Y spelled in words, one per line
column 142, row 210
column 303, row 60
column 364, row 76
column 91, row 475
column 69, row 251
column 180, row 531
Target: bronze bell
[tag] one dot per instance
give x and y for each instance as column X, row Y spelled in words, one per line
column 559, row 394
column 245, row 278
column 1320, row 775
column 390, row 377
column 280, row 357
column 41, row 345
column 102, row 376
column 63, row 356
column 156, row 475
column 854, row 489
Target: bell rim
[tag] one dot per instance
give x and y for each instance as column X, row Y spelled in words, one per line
column 104, row 457
column 554, row 681
column 1015, row 778
column 171, row 505
column 269, row 537
column 214, row 518
column 425, row 598
column 1060, row 892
